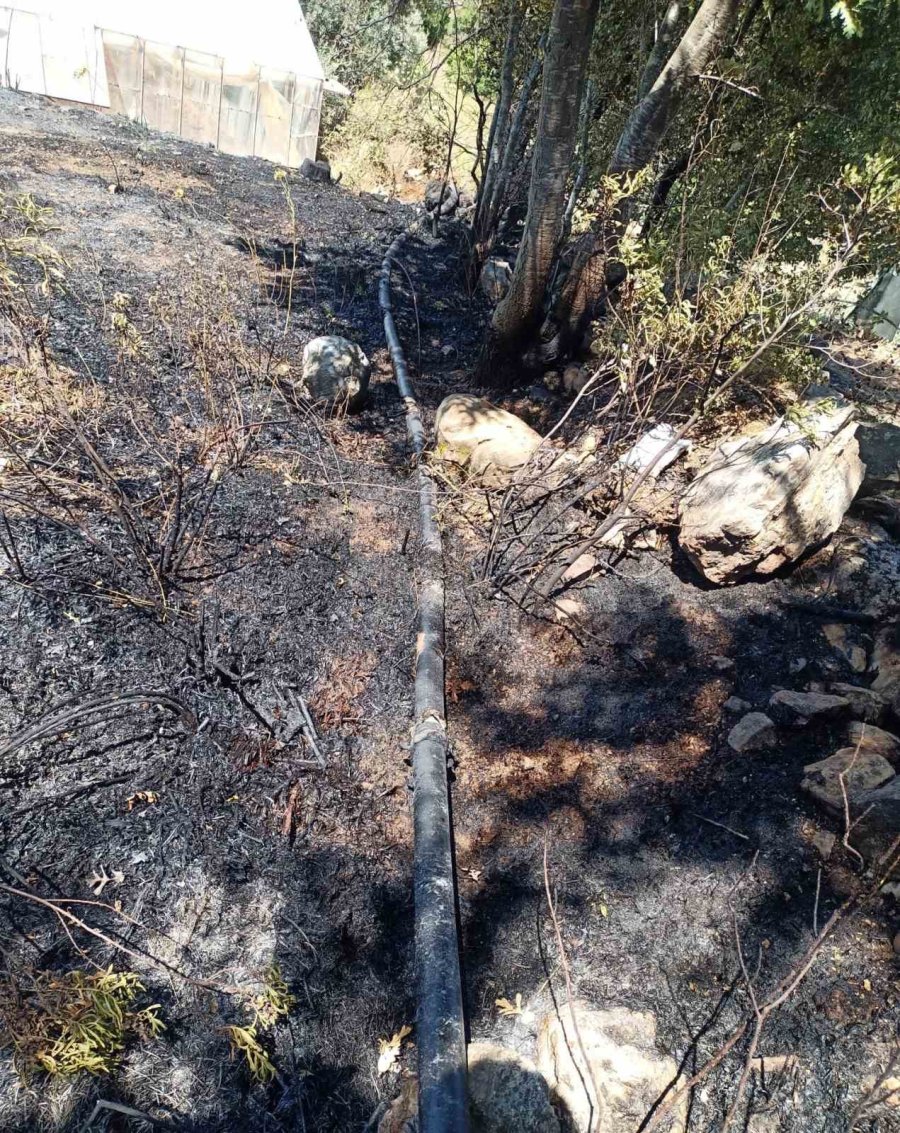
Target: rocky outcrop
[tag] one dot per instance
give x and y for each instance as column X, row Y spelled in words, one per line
column 609, row 1074
column 763, row 500
column 488, row 442
column 336, row 371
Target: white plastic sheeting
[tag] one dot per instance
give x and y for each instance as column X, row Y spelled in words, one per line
column 246, row 80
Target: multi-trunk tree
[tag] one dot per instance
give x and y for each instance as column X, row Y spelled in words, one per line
column 531, row 318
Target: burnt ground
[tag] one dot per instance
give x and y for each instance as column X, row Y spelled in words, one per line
column 609, row 747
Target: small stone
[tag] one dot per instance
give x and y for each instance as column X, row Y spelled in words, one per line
column 735, row 704
column 858, row 659
column 824, row 841
column 797, row 707
column 865, row 704
column 862, row 771
column 721, row 664
column 897, row 943
column 855, row 655
column 575, row 378
column 583, row 566
column 565, row 609
column 874, row 739
column 754, row 731
column 891, row 1086
column 495, row 279
column 798, row 665
column 336, row 371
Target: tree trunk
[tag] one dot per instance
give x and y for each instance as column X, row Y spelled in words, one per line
column 500, row 119
column 520, row 313
column 639, row 142
column 662, row 48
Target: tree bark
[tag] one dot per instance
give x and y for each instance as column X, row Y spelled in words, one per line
column 585, row 286
column 500, row 119
column 662, row 47
column 520, row 313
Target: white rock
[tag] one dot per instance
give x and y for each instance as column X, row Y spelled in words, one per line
column 336, row 371
column 623, row 1064
column 753, row 731
column 650, row 448
column 763, row 500
column 489, row 442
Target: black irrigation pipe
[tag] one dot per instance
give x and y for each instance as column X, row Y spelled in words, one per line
column 440, row 1027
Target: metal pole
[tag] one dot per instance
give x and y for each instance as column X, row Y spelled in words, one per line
column 440, row 1026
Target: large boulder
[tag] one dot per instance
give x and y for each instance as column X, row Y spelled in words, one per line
column 336, row 371
column 763, row 500
column 620, row 1062
column 488, row 442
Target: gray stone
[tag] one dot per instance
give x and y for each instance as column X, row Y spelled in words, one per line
column 874, row 739
column 862, row 771
column 735, row 704
column 886, row 659
column 879, row 811
column 315, row 170
column 495, row 279
column 799, row 707
column 824, row 841
column 575, row 378
column 622, row 1065
column 488, row 442
column 864, row 703
column 753, row 731
column 879, row 449
column 765, row 499
column 336, row 371
column 443, row 192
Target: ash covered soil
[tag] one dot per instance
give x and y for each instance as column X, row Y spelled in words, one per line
column 199, row 801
